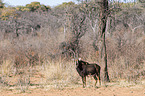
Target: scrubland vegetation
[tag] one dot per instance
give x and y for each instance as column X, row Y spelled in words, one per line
column 39, row 44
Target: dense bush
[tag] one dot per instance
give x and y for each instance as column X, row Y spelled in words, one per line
column 30, row 38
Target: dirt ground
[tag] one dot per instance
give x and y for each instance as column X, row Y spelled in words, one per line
column 109, row 90
column 113, row 88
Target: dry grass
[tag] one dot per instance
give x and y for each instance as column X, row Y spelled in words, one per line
column 6, row 67
column 62, row 74
column 59, row 74
column 119, row 69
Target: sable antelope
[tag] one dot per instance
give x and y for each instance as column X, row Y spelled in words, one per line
column 84, row 69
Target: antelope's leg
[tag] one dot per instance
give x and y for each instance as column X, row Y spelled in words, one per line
column 95, row 79
column 84, row 81
column 98, row 77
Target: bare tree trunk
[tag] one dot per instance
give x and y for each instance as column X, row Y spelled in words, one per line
column 106, row 77
column 104, row 15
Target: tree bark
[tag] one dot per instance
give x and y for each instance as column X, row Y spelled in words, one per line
column 104, row 14
column 106, row 77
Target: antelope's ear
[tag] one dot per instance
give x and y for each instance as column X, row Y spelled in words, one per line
column 79, row 59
